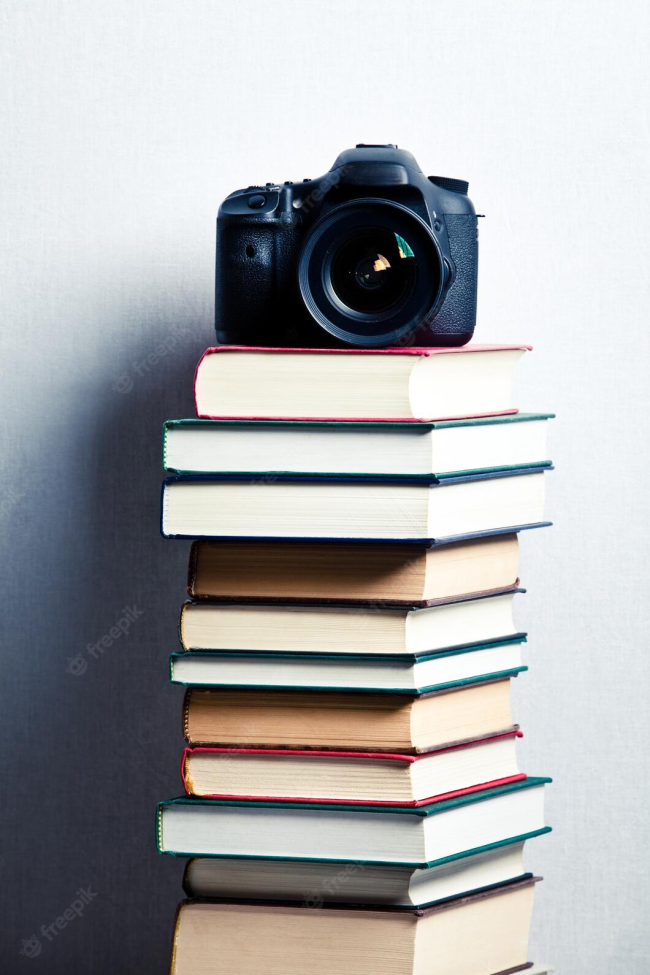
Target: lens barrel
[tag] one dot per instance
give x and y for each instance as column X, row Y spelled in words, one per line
column 370, row 272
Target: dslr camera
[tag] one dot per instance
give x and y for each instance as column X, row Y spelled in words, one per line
column 372, row 254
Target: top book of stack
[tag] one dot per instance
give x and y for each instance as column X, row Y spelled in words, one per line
column 234, row 382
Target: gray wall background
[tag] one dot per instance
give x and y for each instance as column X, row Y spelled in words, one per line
column 123, row 125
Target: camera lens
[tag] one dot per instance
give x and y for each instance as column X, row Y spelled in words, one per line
column 370, row 272
column 373, row 271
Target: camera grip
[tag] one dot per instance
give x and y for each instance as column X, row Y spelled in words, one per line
column 458, row 313
column 244, row 286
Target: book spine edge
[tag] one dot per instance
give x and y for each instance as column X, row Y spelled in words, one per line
column 192, row 568
column 186, row 715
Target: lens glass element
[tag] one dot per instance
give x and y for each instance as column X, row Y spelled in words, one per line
column 373, row 270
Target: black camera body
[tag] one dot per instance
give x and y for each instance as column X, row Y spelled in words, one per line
column 372, row 254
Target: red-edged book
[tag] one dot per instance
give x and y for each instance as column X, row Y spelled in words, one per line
column 236, row 382
column 362, row 778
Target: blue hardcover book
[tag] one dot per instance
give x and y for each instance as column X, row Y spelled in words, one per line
column 353, row 508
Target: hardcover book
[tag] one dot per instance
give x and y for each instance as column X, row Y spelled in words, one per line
column 410, row 836
column 361, row 384
column 392, row 573
column 372, row 778
column 403, row 674
column 348, row 629
column 249, row 718
column 352, row 508
column 315, row 883
column 429, row 450
column 481, row 934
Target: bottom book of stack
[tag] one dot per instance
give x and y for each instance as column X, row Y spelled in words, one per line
column 480, row 934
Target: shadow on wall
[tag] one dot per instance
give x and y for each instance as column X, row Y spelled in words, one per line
column 95, row 597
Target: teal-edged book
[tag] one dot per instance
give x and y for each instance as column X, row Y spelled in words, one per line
column 436, row 450
column 316, row 882
column 411, row 837
column 400, row 674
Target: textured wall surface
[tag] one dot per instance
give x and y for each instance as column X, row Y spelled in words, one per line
column 123, row 125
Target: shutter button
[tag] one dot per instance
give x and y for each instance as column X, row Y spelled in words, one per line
column 257, row 201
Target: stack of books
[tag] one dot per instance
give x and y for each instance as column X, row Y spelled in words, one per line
column 354, row 803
